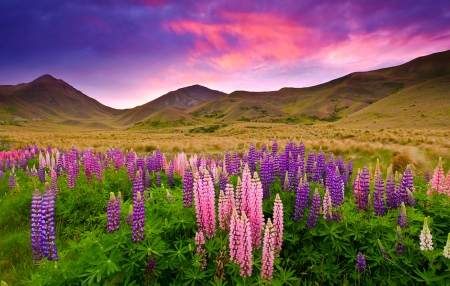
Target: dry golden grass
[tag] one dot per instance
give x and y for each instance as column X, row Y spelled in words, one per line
column 356, row 144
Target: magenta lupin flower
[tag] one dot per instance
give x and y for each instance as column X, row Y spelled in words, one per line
column 113, row 210
column 245, row 252
column 138, row 220
column 54, row 182
column 278, row 224
column 268, row 252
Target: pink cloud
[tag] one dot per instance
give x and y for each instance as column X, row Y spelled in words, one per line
column 244, row 39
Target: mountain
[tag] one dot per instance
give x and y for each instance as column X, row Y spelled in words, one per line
column 180, row 99
column 330, row 101
column 412, row 94
column 50, row 99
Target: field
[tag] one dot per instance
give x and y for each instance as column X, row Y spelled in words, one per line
column 354, row 233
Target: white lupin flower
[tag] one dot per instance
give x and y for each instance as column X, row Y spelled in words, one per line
column 446, row 251
column 426, row 239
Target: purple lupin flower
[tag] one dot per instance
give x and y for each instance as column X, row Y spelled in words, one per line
column 70, row 176
column 274, row 148
column 364, row 185
column 403, row 217
column 188, row 187
column 158, row 179
column 410, row 200
column 305, row 193
column 252, row 158
column 36, row 217
column 360, row 263
column 170, row 173
column 399, row 247
column 320, row 167
column 150, row 268
column 12, row 180
column 41, row 174
column 378, row 201
column 48, row 235
column 146, row 180
column 314, row 212
column 223, row 181
column 138, row 219
column 129, row 220
column 391, row 195
column 265, row 174
column 137, row 185
column 113, row 210
column 407, row 184
column 427, row 176
column 140, row 162
column 2, row 175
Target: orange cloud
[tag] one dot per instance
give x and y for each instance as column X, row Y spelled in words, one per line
column 244, row 39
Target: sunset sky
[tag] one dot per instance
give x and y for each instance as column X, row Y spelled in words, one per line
column 126, row 53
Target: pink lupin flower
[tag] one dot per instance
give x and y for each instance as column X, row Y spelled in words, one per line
column 238, row 201
column 257, row 217
column 278, row 223
column 235, row 237
column 200, row 241
column 223, row 209
column 327, row 211
column 198, row 189
column 447, row 183
column 210, row 209
column 246, row 255
column 438, row 180
column 268, row 252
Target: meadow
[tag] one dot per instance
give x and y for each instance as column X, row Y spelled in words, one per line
column 346, row 206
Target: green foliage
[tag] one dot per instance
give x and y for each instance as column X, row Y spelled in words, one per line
column 325, row 255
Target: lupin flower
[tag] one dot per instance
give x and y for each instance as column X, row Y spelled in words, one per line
column 402, row 217
column 113, row 210
column 278, row 224
column 199, row 242
column 129, row 219
column 158, row 179
column 314, row 212
column 245, row 248
column 137, row 185
column 378, row 201
column 150, row 268
column 48, row 235
column 302, row 199
column 138, row 220
column 70, row 176
column 327, row 206
column 360, row 263
column 256, row 217
column 188, row 186
column 427, row 176
column 391, row 194
column 438, row 180
column 268, row 252
column 36, row 224
column 399, row 248
column 12, row 180
column 235, row 236
column 446, row 251
column 410, row 200
column 426, row 239
column 54, row 182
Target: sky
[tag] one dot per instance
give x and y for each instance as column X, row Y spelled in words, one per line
column 125, row 53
